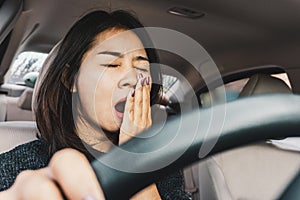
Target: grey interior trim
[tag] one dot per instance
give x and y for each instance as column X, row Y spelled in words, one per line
column 3, row 107
column 12, row 90
column 9, row 13
column 15, row 39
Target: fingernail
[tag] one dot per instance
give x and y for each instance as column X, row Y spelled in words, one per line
column 88, row 198
column 140, row 76
column 147, row 80
column 143, row 81
column 132, row 92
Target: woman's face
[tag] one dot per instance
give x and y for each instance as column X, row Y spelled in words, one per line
column 108, row 72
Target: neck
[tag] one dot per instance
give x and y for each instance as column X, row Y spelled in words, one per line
column 94, row 136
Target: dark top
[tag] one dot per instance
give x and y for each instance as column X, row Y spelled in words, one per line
column 34, row 155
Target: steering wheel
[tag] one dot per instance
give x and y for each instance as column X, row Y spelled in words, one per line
column 177, row 144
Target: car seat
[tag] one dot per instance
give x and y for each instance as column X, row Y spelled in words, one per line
column 14, row 133
column 16, row 108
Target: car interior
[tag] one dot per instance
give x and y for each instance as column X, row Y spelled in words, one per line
column 222, row 175
column 254, row 46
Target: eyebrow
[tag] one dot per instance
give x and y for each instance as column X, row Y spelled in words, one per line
column 142, row 58
column 117, row 54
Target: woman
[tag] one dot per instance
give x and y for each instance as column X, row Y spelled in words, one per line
column 96, row 94
column 92, row 67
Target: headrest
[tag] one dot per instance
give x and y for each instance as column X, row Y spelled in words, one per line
column 42, row 73
column 264, row 84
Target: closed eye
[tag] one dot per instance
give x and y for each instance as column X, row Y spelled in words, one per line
column 110, row 65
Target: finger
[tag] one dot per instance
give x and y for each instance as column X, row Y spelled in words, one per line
column 129, row 106
column 146, row 102
column 72, row 171
column 138, row 98
column 149, row 120
column 128, row 117
column 34, row 185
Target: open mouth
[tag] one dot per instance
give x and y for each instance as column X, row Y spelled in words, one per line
column 120, row 107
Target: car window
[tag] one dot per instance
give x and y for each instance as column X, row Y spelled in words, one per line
column 168, row 81
column 232, row 91
column 25, row 63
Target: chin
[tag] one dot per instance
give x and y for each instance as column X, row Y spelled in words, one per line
column 114, row 128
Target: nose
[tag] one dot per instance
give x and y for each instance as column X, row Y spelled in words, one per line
column 129, row 80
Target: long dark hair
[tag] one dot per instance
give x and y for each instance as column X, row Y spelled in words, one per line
column 53, row 109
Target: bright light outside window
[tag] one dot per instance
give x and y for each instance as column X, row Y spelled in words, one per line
column 25, row 63
column 167, row 82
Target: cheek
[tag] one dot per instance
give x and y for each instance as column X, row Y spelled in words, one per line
column 95, row 88
column 86, row 83
column 104, row 93
column 104, row 107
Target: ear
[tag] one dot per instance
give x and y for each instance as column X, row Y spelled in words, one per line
column 73, row 89
column 65, row 81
